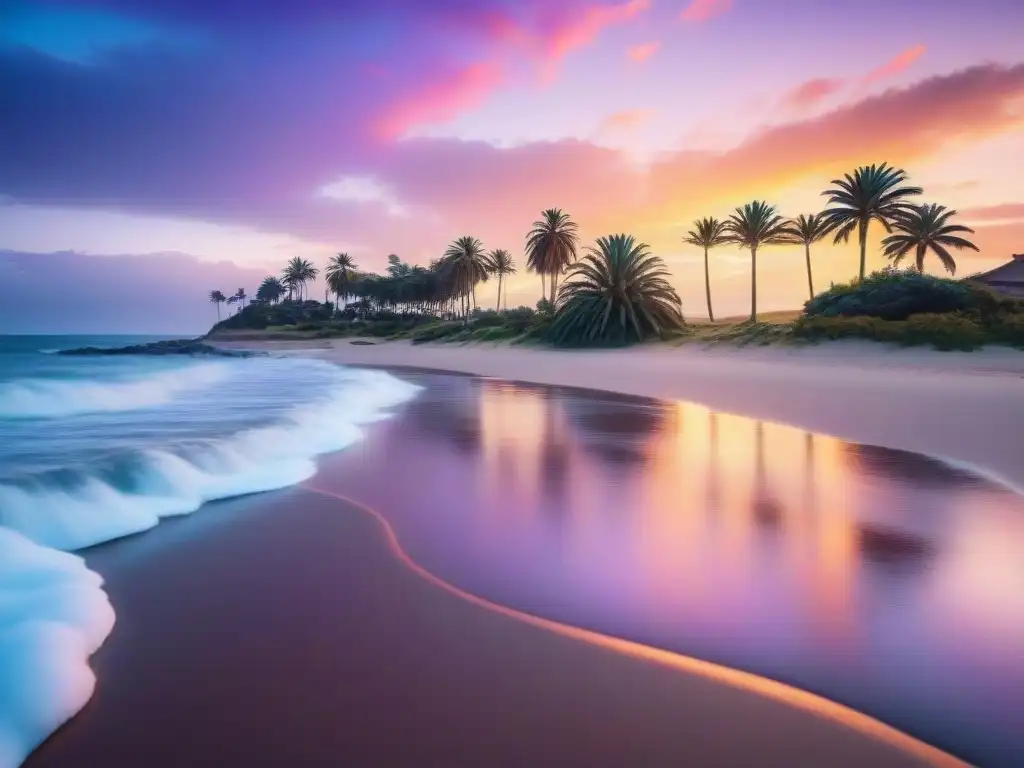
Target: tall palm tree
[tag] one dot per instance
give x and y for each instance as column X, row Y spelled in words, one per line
column 754, row 225
column 808, row 230
column 707, row 233
column 501, row 265
column 551, row 246
column 872, row 192
column 619, row 291
column 465, row 264
column 240, row 297
column 296, row 274
column 926, row 228
column 218, row 298
column 270, row 290
column 340, row 272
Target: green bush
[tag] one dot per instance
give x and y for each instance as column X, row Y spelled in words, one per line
column 943, row 331
column 896, row 295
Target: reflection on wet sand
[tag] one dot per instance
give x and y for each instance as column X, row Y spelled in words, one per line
column 882, row 579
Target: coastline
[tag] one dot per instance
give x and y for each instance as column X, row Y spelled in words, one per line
column 197, row 675
column 962, row 407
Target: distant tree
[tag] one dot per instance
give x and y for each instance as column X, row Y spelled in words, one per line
column 870, row 193
column 296, row 274
column 271, row 290
column 217, row 298
column 926, row 228
column 755, row 225
column 808, row 230
column 465, row 264
column 501, row 264
column 341, row 270
column 707, row 233
column 551, row 246
column 238, row 297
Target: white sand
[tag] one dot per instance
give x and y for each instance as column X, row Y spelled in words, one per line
column 962, row 406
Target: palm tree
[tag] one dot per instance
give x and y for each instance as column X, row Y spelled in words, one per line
column 270, row 290
column 926, row 228
column 296, row 274
column 808, row 230
column 871, row 192
column 501, row 265
column 218, row 298
column 551, row 246
column 618, row 292
column 340, row 272
column 707, row 233
column 465, row 264
column 754, row 225
column 240, row 296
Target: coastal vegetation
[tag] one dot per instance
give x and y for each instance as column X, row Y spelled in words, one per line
column 620, row 293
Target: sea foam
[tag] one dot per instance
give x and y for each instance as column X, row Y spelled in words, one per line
column 49, row 398
column 53, row 611
column 54, row 614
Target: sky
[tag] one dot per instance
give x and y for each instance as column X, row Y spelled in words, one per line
column 199, row 144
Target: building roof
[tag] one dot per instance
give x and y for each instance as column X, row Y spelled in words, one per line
column 1010, row 272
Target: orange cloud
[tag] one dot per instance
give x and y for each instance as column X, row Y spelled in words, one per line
column 897, row 65
column 702, row 10
column 1003, row 212
column 441, row 101
column 644, row 51
column 627, row 120
column 810, row 93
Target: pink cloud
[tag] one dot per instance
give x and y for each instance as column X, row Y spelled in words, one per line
column 897, row 65
column 442, row 100
column 585, row 28
column 702, row 10
column 644, row 51
column 812, row 92
column 1002, row 212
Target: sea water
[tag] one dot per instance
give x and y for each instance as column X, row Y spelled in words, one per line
column 96, row 448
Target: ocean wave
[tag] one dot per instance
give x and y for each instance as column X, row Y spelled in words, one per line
column 53, row 611
column 50, row 398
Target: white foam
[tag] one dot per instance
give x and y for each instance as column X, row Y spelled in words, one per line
column 48, row 398
column 54, row 614
column 53, row 611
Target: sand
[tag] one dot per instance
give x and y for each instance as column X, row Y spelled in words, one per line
column 287, row 630
column 963, row 406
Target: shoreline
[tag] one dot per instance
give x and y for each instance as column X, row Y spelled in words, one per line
column 964, row 408
column 196, row 675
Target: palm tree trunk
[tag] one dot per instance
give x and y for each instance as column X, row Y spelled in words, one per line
column 218, row 311
column 506, row 298
column 707, row 286
column 863, row 247
column 810, row 280
column 543, row 286
column 500, row 276
column 753, row 284
column 920, row 258
column 554, row 286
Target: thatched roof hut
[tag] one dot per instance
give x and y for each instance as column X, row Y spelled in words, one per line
column 1007, row 279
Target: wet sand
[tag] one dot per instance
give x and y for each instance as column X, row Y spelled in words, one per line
column 286, row 630
column 966, row 406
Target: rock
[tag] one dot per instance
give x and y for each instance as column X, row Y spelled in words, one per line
column 191, row 347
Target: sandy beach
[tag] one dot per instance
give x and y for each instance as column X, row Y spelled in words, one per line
column 963, row 406
column 289, row 631
column 297, row 629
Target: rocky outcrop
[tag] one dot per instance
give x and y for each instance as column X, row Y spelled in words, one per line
column 191, row 347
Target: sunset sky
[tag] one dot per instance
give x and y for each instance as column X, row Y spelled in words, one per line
column 201, row 143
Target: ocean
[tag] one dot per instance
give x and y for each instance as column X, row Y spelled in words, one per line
column 97, row 448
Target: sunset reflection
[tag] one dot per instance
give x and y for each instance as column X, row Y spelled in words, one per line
column 880, row 578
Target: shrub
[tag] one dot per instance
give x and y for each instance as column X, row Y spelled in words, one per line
column 896, row 295
column 520, row 318
column 943, row 331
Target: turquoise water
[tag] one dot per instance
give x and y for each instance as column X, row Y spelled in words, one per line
column 96, row 448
